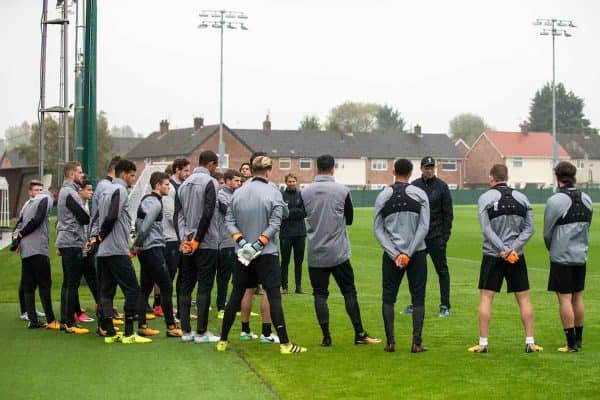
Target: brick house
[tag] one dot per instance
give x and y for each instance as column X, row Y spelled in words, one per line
column 585, row 154
column 528, row 156
column 363, row 160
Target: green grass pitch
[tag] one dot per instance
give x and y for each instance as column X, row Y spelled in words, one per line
column 41, row 364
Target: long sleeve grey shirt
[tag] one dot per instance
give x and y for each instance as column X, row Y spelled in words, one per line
column 256, row 209
column 505, row 232
column 148, row 224
column 329, row 209
column 168, row 220
column 567, row 243
column 224, row 201
column 198, row 217
column 72, row 217
column 114, row 221
column 403, row 231
column 101, row 186
column 34, row 227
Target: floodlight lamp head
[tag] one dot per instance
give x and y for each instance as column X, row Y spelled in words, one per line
column 204, row 15
column 203, row 25
column 567, row 34
column 242, row 16
column 231, row 26
column 545, row 33
column 217, row 25
column 243, row 27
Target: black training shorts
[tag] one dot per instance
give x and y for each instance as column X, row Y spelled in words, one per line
column 495, row 269
column 264, row 270
column 566, row 278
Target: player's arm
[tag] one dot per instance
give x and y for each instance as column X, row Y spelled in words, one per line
column 527, row 229
column 80, row 214
column 447, row 213
column 183, row 230
column 486, row 228
column 38, row 218
column 423, row 226
column 348, row 210
column 152, row 209
column 112, row 215
column 210, row 203
column 552, row 213
column 297, row 213
column 381, row 234
column 275, row 218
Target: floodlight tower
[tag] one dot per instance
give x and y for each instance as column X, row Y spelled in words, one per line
column 555, row 27
column 220, row 19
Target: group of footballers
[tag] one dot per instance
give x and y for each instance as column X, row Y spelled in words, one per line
column 195, row 226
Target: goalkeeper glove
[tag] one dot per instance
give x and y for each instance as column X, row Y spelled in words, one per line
column 512, row 257
column 402, row 260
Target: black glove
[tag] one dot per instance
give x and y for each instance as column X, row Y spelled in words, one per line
column 14, row 245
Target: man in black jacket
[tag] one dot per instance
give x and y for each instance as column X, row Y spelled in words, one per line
column 440, row 226
column 292, row 234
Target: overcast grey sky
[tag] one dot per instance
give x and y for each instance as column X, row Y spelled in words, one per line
column 429, row 59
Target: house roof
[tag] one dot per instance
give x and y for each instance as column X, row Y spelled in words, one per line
column 14, row 159
column 517, row 144
column 579, row 145
column 123, row 145
column 291, row 143
column 176, row 142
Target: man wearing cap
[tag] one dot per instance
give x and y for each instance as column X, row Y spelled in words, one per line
column 440, row 226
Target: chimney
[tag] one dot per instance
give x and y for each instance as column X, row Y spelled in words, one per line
column 198, row 123
column 348, row 130
column 267, row 125
column 524, row 127
column 418, row 130
column 164, row 127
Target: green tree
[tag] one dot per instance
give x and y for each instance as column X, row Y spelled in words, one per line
column 356, row 117
column 467, row 127
column 16, row 135
column 310, row 123
column 569, row 111
column 389, row 120
column 52, row 135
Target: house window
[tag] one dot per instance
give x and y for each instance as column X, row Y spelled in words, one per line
column 579, row 164
column 285, row 163
column 224, row 162
column 379, row 165
column 305, row 163
column 517, row 162
column 452, row 186
column 448, row 165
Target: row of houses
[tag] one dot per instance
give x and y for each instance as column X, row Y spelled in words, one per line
column 365, row 160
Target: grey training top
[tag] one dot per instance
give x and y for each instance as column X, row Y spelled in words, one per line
column 507, row 230
column 400, row 228
column 256, row 209
column 567, row 238
column 224, row 199
column 72, row 217
column 169, row 212
column 198, row 216
column 329, row 209
column 149, row 224
column 34, row 227
column 113, row 222
column 101, row 186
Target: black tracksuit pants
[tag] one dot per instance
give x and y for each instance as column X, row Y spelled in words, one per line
column 153, row 269
column 35, row 273
column 287, row 244
column 71, row 258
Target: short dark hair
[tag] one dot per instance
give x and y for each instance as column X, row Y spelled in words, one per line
column 86, row 182
column 499, row 172
column 326, row 162
column 156, row 178
column 290, row 175
column 565, row 173
column 218, row 175
column 403, row 167
column 179, row 163
column 229, row 174
column 35, row 182
column 124, row 166
column 113, row 163
column 70, row 166
column 245, row 163
column 206, row 157
column 169, row 169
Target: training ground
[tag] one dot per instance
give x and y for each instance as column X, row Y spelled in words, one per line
column 46, row 364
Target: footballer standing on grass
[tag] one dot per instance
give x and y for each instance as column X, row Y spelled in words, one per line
column 401, row 224
column 506, row 220
column 149, row 246
column 253, row 219
column 567, row 220
column 329, row 210
column 110, row 239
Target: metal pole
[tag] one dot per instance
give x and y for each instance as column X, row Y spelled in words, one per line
column 89, row 91
column 66, row 78
column 221, row 142
column 42, row 104
column 554, row 142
